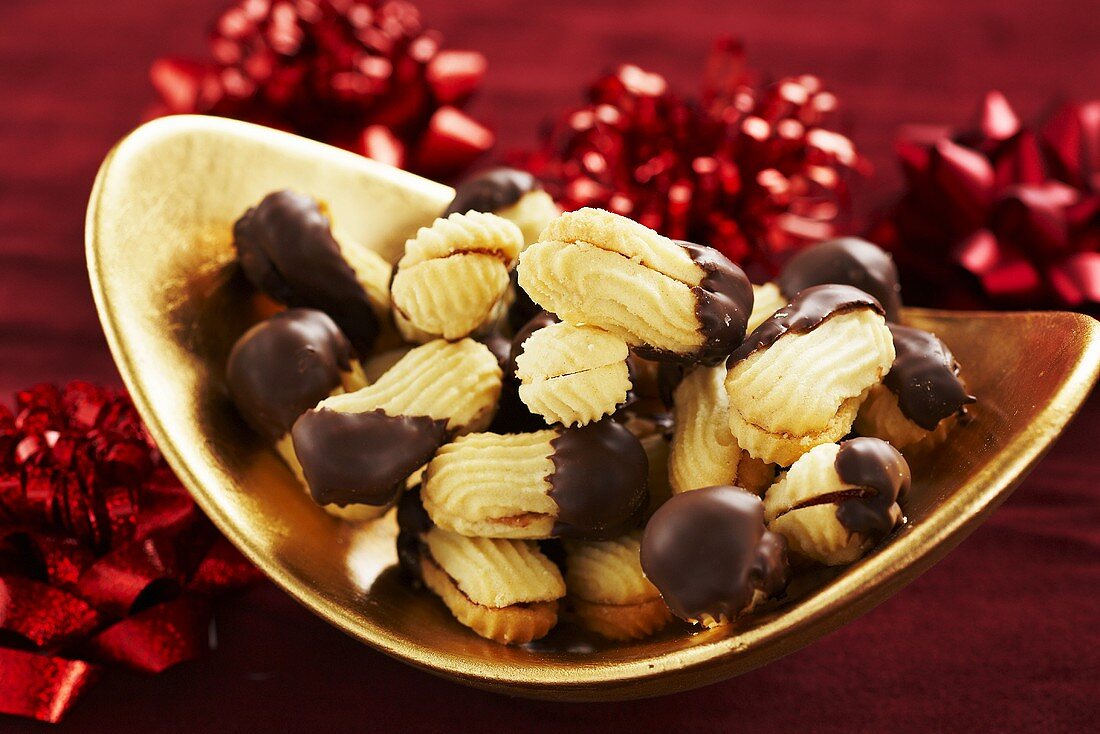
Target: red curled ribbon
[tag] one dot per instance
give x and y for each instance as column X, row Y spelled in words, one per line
column 104, row 557
column 1015, row 207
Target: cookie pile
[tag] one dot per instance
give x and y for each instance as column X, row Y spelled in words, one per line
column 575, row 415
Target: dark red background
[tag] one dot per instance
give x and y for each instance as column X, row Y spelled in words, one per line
column 1003, row 634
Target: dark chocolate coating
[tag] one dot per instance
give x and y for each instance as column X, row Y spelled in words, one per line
column 723, row 304
column 806, row 311
column 872, row 464
column 362, row 458
column 707, row 551
column 669, row 377
column 492, row 190
column 599, row 481
column 412, row 522
column 282, row 367
column 845, row 261
column 538, row 321
column 287, row 250
column 499, row 345
column 925, row 377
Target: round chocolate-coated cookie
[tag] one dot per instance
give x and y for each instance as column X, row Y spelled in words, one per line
column 285, row 365
column 286, row 249
column 708, row 552
column 845, row 261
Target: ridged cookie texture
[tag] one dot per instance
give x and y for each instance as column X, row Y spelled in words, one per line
column 360, row 447
column 798, row 381
column 576, row 482
column 674, row 301
column 452, row 275
column 493, row 485
column 837, row 501
column 879, row 416
column 608, row 591
column 703, row 451
column 767, row 299
column 504, row 590
column 573, row 375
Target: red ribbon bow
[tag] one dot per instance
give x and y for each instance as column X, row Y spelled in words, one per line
column 753, row 170
column 1016, row 207
column 366, row 76
column 104, row 557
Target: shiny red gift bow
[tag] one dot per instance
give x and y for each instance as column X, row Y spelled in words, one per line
column 366, row 76
column 104, row 557
column 1015, row 206
column 755, row 170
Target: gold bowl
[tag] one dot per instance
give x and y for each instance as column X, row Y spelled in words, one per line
column 172, row 302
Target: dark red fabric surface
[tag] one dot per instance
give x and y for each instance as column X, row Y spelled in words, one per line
column 1002, row 635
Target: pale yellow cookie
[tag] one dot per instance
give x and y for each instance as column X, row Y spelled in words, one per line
column 532, row 213
column 493, row 485
column 452, row 275
column 703, row 451
column 767, row 299
column 597, row 268
column 573, row 375
column 504, row 590
column 380, row 363
column 609, row 593
column 806, row 388
column 509, row 485
column 803, row 507
column 457, row 382
column 755, row 475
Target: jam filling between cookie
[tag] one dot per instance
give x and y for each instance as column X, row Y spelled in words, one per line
column 492, row 190
column 708, row 552
column 282, row 367
column 363, row 458
column 286, row 249
column 599, row 481
column 808, row 310
column 925, row 378
column 845, row 261
column 877, row 466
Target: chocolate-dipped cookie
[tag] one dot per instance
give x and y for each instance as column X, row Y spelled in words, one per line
column 845, row 261
column 670, row 301
column 709, row 554
column 510, row 193
column 798, row 380
column 586, row 483
column 286, row 249
column 838, row 501
column 922, row 396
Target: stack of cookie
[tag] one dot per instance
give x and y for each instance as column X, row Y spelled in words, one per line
column 503, row 388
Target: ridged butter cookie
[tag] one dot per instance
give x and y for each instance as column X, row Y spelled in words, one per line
column 672, row 301
column 798, row 380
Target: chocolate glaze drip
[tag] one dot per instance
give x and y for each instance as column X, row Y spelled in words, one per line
column 363, row 458
column 806, row 311
column 492, row 190
column 925, row 377
column 872, row 464
column 707, row 551
column 599, row 481
column 287, row 250
column 282, row 367
column 412, row 522
column 539, row 321
column 845, row 261
column 723, row 304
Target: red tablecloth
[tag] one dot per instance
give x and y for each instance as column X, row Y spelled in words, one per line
column 1003, row 634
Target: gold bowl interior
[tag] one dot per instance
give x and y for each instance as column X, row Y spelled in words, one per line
column 172, row 302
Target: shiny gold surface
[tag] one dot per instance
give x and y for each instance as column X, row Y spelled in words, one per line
column 159, row 254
